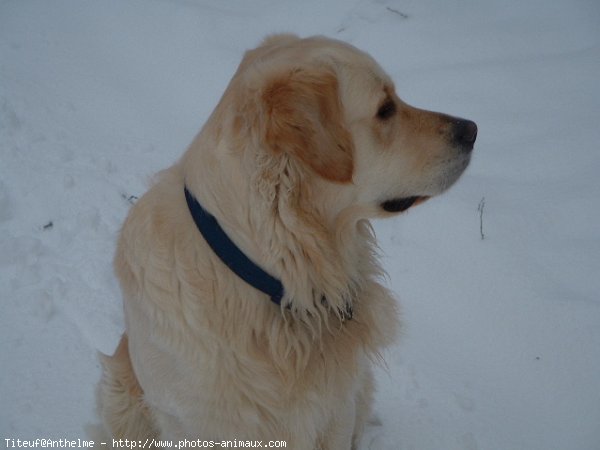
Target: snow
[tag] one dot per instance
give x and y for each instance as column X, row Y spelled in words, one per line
column 501, row 341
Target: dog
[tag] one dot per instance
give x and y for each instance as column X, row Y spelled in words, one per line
column 253, row 300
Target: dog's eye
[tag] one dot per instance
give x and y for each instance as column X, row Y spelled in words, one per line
column 386, row 110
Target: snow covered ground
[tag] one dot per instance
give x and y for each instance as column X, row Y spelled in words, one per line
column 501, row 342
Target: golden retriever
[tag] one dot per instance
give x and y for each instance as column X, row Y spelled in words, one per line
column 308, row 142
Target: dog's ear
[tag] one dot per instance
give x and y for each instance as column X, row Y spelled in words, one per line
column 304, row 118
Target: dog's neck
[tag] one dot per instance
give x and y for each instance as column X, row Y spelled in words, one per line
column 243, row 266
column 230, row 254
column 267, row 212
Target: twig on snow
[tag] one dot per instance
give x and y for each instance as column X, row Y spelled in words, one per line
column 480, row 209
column 395, row 11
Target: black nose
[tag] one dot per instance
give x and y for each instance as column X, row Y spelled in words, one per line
column 464, row 133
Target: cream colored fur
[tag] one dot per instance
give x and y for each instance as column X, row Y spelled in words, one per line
column 292, row 163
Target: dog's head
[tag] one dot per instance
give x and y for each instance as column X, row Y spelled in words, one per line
column 332, row 110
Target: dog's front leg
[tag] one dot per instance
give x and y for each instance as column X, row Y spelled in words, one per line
column 338, row 435
column 364, row 401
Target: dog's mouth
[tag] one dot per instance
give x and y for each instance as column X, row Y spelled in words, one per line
column 398, row 205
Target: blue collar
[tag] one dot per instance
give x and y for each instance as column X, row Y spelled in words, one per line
column 236, row 260
column 230, row 254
